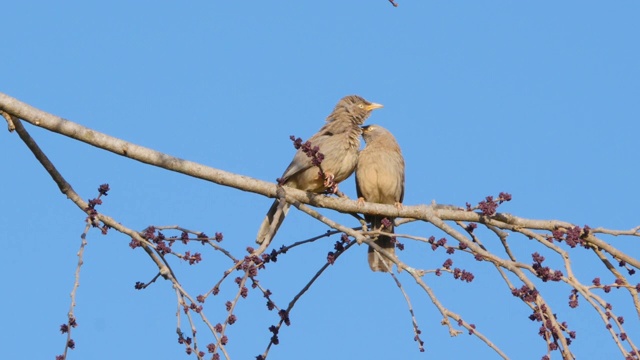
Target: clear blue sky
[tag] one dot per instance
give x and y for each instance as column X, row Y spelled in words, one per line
column 539, row 100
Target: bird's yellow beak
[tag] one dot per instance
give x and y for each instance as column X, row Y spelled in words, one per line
column 373, row 106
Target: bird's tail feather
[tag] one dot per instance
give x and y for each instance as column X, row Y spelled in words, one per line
column 378, row 262
column 273, row 217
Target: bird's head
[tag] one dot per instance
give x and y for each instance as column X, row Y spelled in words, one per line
column 372, row 132
column 353, row 107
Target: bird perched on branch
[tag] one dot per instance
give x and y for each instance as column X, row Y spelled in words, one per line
column 338, row 141
column 380, row 179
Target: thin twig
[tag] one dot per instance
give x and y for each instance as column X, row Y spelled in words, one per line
column 414, row 321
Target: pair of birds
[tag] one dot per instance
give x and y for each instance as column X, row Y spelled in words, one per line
column 379, row 169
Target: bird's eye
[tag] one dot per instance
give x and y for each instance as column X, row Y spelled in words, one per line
column 361, row 106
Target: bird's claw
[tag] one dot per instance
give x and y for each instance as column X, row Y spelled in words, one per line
column 330, row 184
column 329, row 180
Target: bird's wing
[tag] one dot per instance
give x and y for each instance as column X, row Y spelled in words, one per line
column 301, row 161
column 402, row 177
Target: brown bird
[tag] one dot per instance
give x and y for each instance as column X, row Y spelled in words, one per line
column 380, row 179
column 339, row 141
